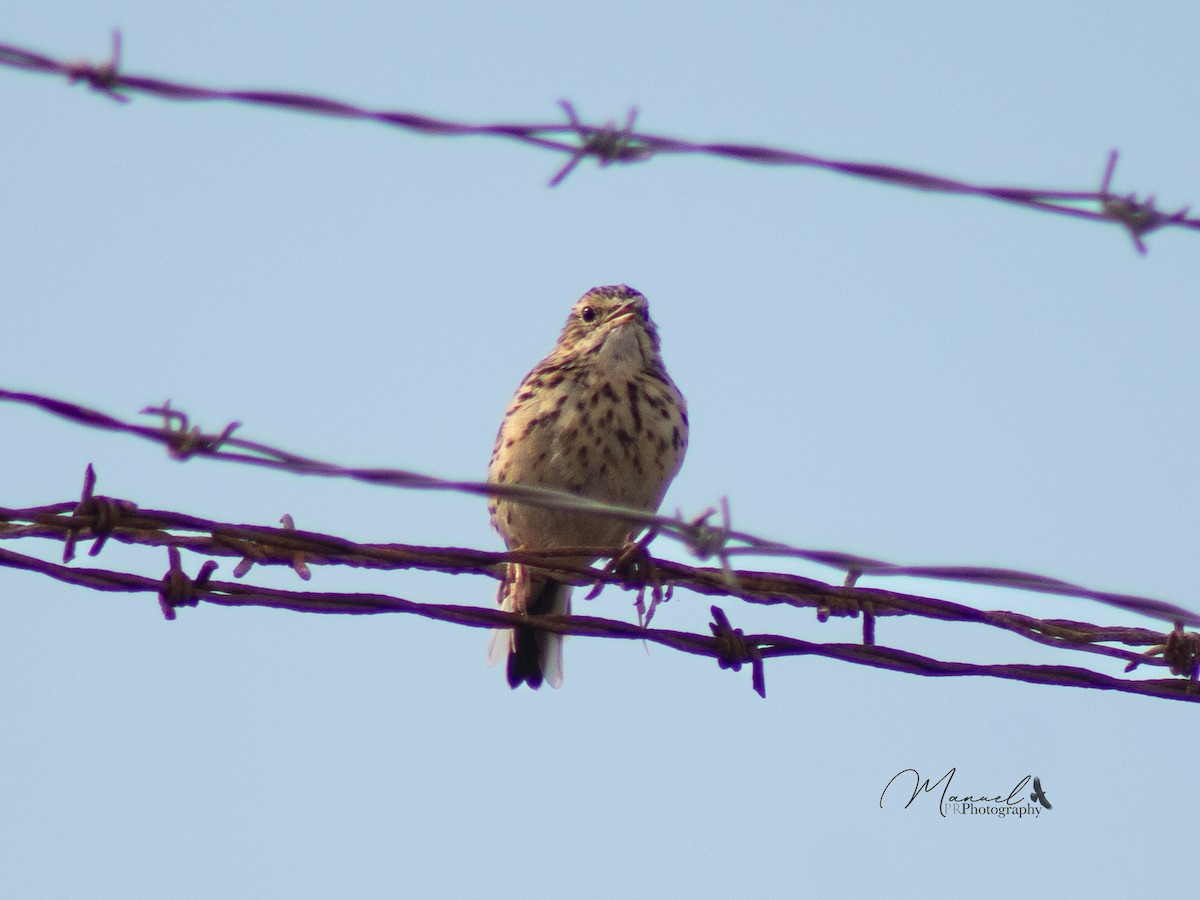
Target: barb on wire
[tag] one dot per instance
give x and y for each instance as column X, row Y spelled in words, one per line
column 733, row 649
column 105, row 512
column 100, row 77
column 188, row 442
column 1137, row 216
column 607, row 144
column 1180, row 652
column 695, row 534
column 177, row 589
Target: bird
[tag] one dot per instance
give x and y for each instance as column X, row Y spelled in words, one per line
column 599, row 418
column 1039, row 795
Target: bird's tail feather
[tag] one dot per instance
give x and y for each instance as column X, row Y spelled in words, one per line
column 533, row 655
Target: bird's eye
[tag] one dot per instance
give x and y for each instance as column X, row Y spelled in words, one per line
column 587, row 314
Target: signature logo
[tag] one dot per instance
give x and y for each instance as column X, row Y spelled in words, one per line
column 1039, row 795
column 999, row 804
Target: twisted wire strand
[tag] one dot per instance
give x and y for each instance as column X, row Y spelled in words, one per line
column 99, row 519
column 176, row 590
column 702, row 539
column 609, row 143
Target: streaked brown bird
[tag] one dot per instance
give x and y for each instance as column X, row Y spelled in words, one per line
column 599, row 417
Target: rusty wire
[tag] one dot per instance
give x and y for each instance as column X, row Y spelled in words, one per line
column 610, row 143
column 702, row 539
column 729, row 646
column 101, row 519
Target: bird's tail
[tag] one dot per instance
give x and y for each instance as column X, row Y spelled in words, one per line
column 533, row 655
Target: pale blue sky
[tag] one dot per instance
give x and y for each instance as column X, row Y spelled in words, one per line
column 917, row 378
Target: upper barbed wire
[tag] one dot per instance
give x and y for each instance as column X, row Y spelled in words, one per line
column 609, row 143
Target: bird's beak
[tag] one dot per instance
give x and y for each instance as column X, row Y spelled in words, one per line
column 623, row 314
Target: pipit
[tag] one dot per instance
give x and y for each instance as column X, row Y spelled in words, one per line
column 599, row 417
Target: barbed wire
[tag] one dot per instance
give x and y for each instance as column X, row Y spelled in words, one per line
column 100, row 519
column 702, row 539
column 608, row 143
column 729, row 646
